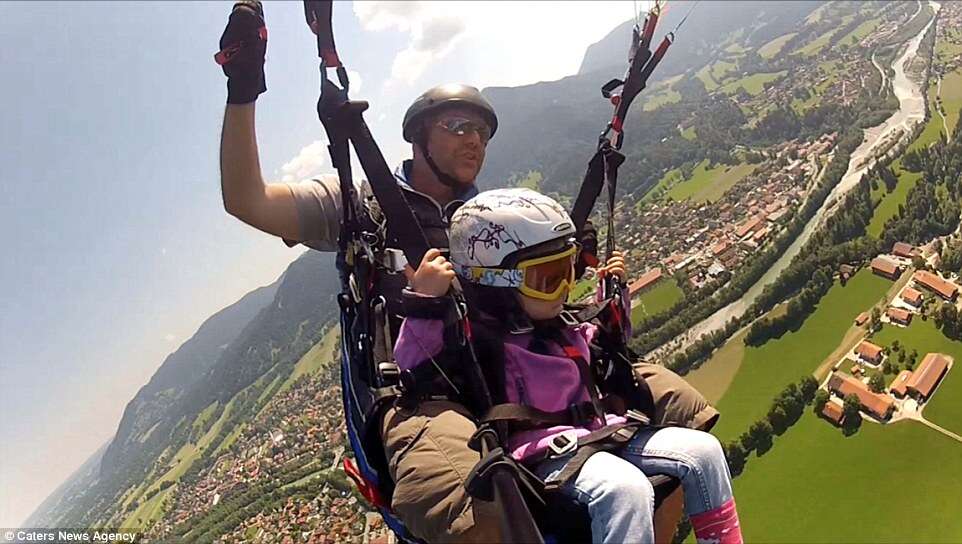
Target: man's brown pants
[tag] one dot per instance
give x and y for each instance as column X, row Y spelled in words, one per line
column 429, row 458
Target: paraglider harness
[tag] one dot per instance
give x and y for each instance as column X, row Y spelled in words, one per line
column 370, row 378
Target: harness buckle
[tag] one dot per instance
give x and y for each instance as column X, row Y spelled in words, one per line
column 638, row 416
column 389, row 372
column 563, row 443
column 393, row 260
column 568, row 318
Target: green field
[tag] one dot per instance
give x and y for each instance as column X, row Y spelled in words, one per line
column 933, row 127
column 713, row 377
column 709, row 184
column 893, row 483
column 318, row 356
column 817, row 44
column 889, row 206
column 689, row 133
column 754, row 83
column 952, row 98
column 860, row 32
column 661, row 98
column 945, row 407
column 670, row 177
column 712, row 74
column 656, row 299
column 770, row 49
column 766, row 370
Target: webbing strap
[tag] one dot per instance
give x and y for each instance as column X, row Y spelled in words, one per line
column 606, row 438
column 522, row 416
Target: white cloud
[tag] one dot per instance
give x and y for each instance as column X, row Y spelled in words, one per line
column 382, row 15
column 312, row 159
column 432, row 32
column 170, row 337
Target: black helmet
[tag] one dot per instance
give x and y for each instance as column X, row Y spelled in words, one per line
column 442, row 96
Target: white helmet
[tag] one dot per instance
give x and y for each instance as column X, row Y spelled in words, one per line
column 495, row 227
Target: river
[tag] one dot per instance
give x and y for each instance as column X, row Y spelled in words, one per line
column 911, row 111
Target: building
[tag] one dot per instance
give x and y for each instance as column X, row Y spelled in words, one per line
column 880, row 406
column 901, row 249
column 861, row 319
column 748, row 227
column 927, row 375
column 886, row 268
column 900, row 316
column 869, row 352
column 833, row 412
column 646, row 280
column 897, row 387
column 720, row 250
column 947, row 290
column 912, row 297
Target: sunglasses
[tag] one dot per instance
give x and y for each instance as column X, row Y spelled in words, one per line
column 543, row 278
column 460, row 126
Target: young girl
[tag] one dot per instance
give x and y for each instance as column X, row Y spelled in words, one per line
column 513, row 252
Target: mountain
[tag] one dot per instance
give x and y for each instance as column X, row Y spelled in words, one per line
column 184, row 368
column 709, row 25
column 267, row 330
column 552, row 127
column 71, row 490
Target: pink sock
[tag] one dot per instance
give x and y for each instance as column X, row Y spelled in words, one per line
column 718, row 526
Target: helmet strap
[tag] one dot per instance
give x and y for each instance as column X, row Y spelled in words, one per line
column 446, row 179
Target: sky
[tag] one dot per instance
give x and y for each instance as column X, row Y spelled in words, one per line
column 116, row 244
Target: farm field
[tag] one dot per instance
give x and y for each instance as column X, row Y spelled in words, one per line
column 817, row 44
column 945, row 408
column 656, row 299
column 770, row 49
column 766, row 370
column 889, row 206
column 754, row 83
column 952, row 98
column 816, row 485
column 709, row 184
column 860, row 32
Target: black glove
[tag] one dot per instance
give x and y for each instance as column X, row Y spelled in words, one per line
column 242, row 49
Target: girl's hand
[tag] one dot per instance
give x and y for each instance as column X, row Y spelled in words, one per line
column 434, row 275
column 616, row 266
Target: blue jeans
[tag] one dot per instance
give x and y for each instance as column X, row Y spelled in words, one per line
column 616, row 490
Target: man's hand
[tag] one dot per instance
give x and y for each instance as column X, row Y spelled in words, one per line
column 243, row 46
column 616, row 266
column 434, row 275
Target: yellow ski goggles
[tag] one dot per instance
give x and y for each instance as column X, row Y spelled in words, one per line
column 543, row 278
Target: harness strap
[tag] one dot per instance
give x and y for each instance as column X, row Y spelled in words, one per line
column 604, row 439
column 522, row 416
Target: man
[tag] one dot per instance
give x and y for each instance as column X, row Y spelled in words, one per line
column 449, row 127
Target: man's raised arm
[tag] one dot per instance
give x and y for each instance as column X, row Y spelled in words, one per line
column 268, row 207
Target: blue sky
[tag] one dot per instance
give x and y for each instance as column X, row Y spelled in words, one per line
column 115, row 240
